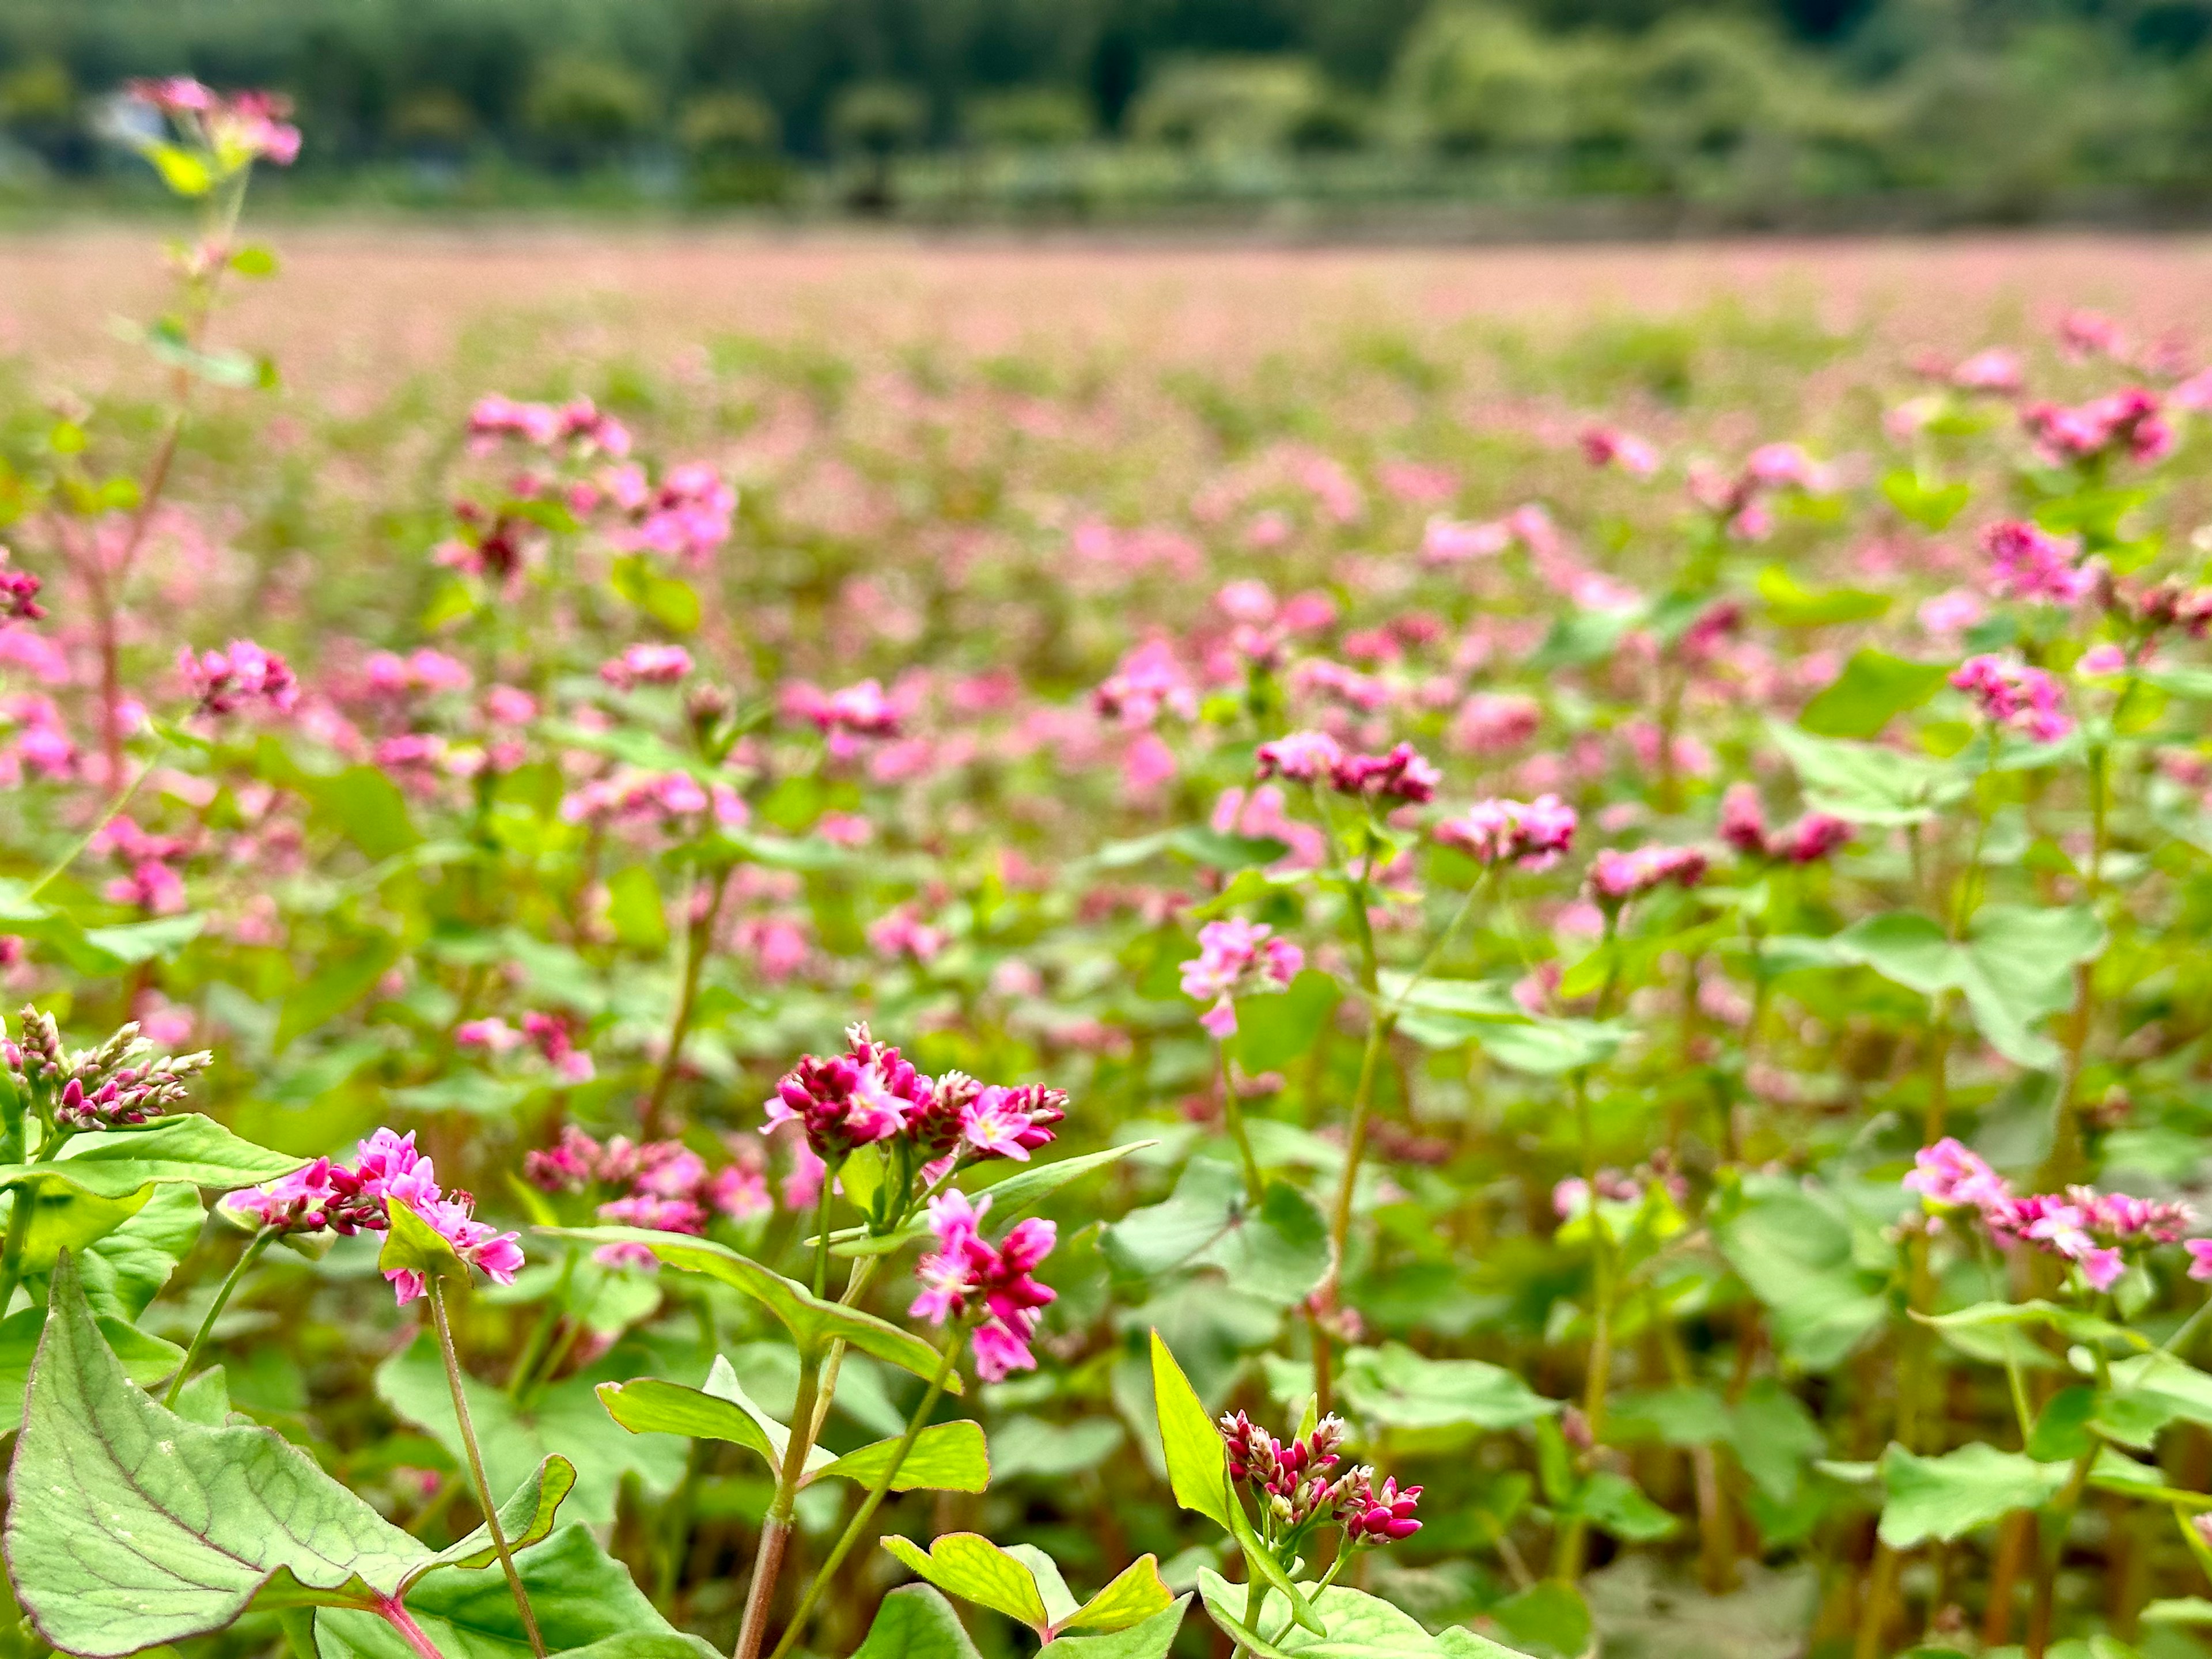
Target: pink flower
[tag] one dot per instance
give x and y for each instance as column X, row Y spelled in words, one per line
column 1302, row 758
column 225, row 681
column 1996, row 370
column 647, row 665
column 2099, row 661
column 1454, row 541
column 1615, row 877
column 1950, row 1175
column 903, row 933
column 1496, row 722
column 849, row 1099
column 1002, row 1122
column 967, row 1277
column 1148, row 683
column 2127, row 420
column 2025, row 563
column 1402, row 775
column 1608, row 446
column 2012, row 695
column 1535, row 834
column 1383, row 1515
column 1812, row 838
column 1952, row 612
column 2200, row 1257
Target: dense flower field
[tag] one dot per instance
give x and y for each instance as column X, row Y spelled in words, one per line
column 829, row 1004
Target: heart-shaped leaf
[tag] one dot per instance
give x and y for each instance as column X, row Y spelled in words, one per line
column 970, row 1567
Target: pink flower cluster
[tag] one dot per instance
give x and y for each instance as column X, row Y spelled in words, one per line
column 667, row 1186
column 553, row 1034
column 1608, row 446
column 2093, row 1229
column 1616, row 876
column 843, row 716
column 326, row 1196
column 641, row 798
column 1148, row 682
column 19, row 594
column 1534, row 835
column 870, row 1093
column 1402, row 775
column 578, row 424
column 1812, row 838
column 2128, row 420
column 967, row 1277
column 687, row 517
column 388, row 674
column 1739, row 500
column 246, row 124
column 1237, row 956
column 1291, row 1484
column 2014, row 696
column 225, row 681
column 113, row 1086
column 2026, row 563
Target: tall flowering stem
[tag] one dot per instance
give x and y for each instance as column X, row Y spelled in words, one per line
column 869, row 1504
column 445, row 1331
column 252, row 1254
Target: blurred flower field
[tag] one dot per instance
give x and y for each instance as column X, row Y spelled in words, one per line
column 1435, row 949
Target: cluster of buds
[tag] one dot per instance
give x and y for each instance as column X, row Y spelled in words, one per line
column 1292, row 1487
column 1237, row 956
column 235, row 131
column 2014, row 696
column 872, row 1093
column 2129, row 421
column 2026, row 563
column 663, row 1185
column 1812, row 838
column 2093, row 1231
column 325, row 1197
column 966, row 1277
column 19, row 594
column 1148, row 681
column 114, row 1086
column 1615, row 877
column 2170, row 602
column 647, row 665
column 1315, row 758
column 225, row 681
column 1534, row 835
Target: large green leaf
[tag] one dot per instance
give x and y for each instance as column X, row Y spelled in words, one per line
column 944, row 1457
column 813, row 1322
column 1150, row 1639
column 1135, row 1595
column 585, row 1601
column 189, row 1149
column 1794, row 1252
column 916, row 1622
column 722, row 1410
column 1198, row 1462
column 1864, row 782
column 131, row 1527
column 126, row 1270
column 1399, row 1388
column 1011, row 1199
column 2015, row 968
column 1873, row 690
column 1278, row 1251
column 565, row 1419
column 1948, row 1496
column 146, row 1359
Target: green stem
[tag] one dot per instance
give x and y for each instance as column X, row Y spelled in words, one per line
column 445, row 1330
column 775, row 1529
column 1598, row 1371
column 1232, row 1113
column 11, row 1253
column 869, row 1504
column 698, row 939
column 822, row 1230
column 114, row 807
column 856, row 1280
column 260, row 1242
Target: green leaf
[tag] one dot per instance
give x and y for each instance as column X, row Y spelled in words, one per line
column 634, row 910
column 526, row 1518
column 1135, row 1595
column 1874, row 689
column 1399, row 1388
column 1011, row 1199
column 1220, row 851
column 720, row 1411
column 145, row 1359
column 361, row 804
column 126, row 1165
column 586, row 1603
column 1794, row 1253
column 339, row 982
column 1618, row 1504
column 1549, row 1619
column 813, row 1322
column 1948, row 1496
column 126, row 1270
column 1932, row 506
column 1261, row 1561
column 1150, row 1639
column 916, row 1622
column 1792, row 604
column 2014, row 969
column 132, row 1527
column 1198, row 1463
column 1348, row 1623
column 1029, row 1446
column 970, row 1567
column 1279, row 1251
column 253, row 261
column 944, row 1457
column 182, row 170
column 1225, row 1604
column 1865, row 783
column 413, row 1245
column 1551, row 1047
column 1458, row 1642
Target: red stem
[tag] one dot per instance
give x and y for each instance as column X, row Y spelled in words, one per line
column 394, row 1614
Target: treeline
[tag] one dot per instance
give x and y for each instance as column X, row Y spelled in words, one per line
column 2002, row 102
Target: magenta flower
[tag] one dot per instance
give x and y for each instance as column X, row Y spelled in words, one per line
column 1236, row 956
column 1401, row 775
column 1615, row 877
column 1608, row 446
column 2012, row 695
column 966, row 1277
column 850, row 1100
column 647, row 665
column 1150, row 681
column 2028, row 563
column 1534, row 835
column 225, row 681
column 1382, row 1514
column 1950, row 1175
column 1812, row 838
column 1302, row 758
column 243, row 127
column 2127, row 420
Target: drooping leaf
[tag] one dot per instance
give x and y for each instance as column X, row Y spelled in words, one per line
column 188, row 1148
column 813, row 1322
column 526, row 1518
column 1865, row 783
column 722, row 1410
column 2015, row 968
column 1794, row 1252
